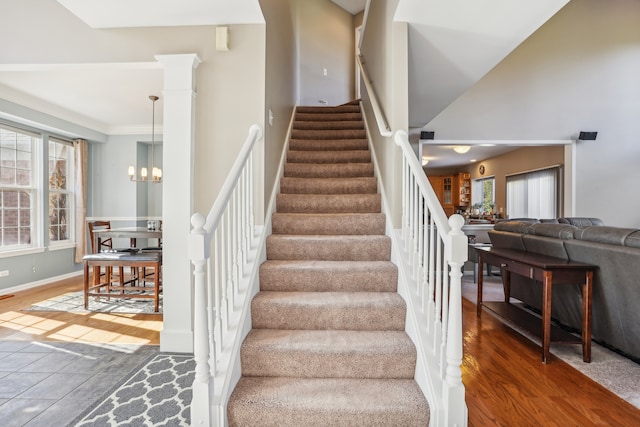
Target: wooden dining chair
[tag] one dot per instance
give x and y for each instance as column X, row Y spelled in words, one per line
column 105, row 244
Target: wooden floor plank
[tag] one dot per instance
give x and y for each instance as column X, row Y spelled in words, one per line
column 508, row 385
column 17, row 324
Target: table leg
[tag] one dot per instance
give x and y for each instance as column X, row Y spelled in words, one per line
column 547, row 278
column 587, row 287
column 479, row 297
column 86, row 284
column 506, row 284
column 156, row 286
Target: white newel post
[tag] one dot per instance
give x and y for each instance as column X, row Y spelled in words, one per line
column 178, row 98
column 203, row 387
column 454, row 394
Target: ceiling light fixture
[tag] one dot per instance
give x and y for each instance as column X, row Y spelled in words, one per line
column 461, row 149
column 156, row 173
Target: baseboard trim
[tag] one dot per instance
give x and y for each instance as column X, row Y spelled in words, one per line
column 38, row 283
column 176, row 341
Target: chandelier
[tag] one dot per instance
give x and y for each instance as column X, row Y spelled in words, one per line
column 156, row 173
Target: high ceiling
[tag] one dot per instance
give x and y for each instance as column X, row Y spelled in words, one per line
column 85, row 94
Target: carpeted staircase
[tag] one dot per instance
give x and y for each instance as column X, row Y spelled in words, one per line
column 328, row 346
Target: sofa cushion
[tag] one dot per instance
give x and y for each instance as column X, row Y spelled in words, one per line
column 603, row 234
column 580, row 221
column 506, row 240
column 513, row 226
column 558, row 231
column 544, row 245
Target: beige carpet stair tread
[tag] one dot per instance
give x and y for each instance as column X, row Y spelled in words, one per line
column 367, row 311
column 329, row 203
column 328, row 144
column 328, row 354
column 320, row 402
column 328, row 124
column 334, row 156
column 328, row 223
column 329, row 134
column 328, row 170
column 327, row 116
column 328, row 248
column 328, row 110
column 325, row 276
column 358, row 185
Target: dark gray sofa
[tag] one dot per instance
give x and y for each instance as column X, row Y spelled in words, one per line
column 616, row 287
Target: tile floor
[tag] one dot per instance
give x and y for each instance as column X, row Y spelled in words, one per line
column 51, row 383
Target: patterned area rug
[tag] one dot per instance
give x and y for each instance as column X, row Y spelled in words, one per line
column 74, row 302
column 156, row 394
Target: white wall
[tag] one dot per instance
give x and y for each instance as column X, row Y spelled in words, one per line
column 578, row 72
column 281, row 82
column 325, row 41
column 384, row 52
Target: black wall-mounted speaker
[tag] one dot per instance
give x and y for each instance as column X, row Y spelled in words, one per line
column 427, row 134
column 587, row 136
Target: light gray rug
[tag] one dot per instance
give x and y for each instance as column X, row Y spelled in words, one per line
column 156, row 394
column 617, row 373
column 74, row 302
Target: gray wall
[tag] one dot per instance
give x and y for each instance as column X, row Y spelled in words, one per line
column 281, row 83
column 577, row 72
column 384, row 52
column 230, row 86
column 325, row 41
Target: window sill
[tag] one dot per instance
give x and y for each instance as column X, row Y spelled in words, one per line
column 20, row 252
column 61, row 246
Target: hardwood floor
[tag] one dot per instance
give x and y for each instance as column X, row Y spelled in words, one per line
column 508, row 385
column 102, row 328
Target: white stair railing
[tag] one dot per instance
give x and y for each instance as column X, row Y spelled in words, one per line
column 222, row 249
column 434, row 252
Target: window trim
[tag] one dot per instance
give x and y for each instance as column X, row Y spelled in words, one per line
column 40, row 192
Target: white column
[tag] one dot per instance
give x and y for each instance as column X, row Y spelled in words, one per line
column 178, row 140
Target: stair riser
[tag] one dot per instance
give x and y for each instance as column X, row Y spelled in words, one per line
column 328, row 110
column 345, row 170
column 328, row 144
column 329, row 134
column 327, row 117
column 317, row 276
column 321, row 402
column 362, row 185
column 377, row 315
column 354, row 156
column 268, row 353
column 328, row 203
column 328, row 125
column 375, row 248
column 328, row 224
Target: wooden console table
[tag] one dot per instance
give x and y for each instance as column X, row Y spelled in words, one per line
column 549, row 271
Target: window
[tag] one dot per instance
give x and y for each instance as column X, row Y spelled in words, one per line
column 60, row 189
column 483, row 194
column 17, row 187
column 23, row 193
column 534, row 194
